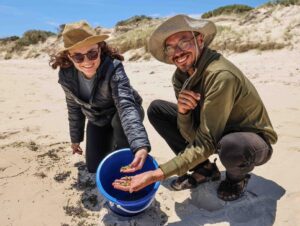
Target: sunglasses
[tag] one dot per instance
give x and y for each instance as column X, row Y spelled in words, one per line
column 91, row 55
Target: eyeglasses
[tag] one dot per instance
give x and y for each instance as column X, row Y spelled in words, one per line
column 183, row 45
column 91, row 55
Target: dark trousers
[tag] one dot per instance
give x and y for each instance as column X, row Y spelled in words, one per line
column 239, row 152
column 100, row 141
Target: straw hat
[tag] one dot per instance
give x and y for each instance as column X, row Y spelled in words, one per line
column 79, row 34
column 176, row 24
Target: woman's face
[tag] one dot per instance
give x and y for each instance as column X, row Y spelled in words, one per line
column 86, row 59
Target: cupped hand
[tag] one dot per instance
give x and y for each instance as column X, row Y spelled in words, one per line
column 76, row 148
column 187, row 100
column 138, row 161
column 138, row 182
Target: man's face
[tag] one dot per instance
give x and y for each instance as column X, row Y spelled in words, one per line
column 181, row 50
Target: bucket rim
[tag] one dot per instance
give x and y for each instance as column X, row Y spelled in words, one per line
column 139, row 201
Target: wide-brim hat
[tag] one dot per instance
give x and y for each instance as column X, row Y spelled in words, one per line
column 80, row 34
column 177, row 24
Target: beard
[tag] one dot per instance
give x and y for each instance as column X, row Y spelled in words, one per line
column 187, row 65
column 185, row 68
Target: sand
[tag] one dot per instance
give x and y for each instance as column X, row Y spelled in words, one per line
column 42, row 183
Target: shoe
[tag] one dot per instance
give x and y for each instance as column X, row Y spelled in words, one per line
column 204, row 172
column 182, row 183
column 232, row 190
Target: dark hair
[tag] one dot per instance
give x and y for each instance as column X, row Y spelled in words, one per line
column 62, row 60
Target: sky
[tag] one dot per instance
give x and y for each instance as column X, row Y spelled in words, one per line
column 19, row 16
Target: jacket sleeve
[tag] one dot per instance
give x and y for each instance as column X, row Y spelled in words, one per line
column 217, row 105
column 76, row 118
column 127, row 108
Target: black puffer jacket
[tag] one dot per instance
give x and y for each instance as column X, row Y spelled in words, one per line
column 112, row 92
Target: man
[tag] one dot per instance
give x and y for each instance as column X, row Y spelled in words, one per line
column 218, row 111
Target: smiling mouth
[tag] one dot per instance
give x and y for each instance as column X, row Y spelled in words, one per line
column 181, row 59
column 88, row 67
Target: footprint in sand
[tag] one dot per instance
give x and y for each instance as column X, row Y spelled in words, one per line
column 39, row 111
column 5, row 135
column 32, row 129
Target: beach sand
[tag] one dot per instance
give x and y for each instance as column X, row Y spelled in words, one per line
column 42, row 183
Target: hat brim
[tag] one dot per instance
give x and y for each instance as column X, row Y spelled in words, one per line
column 177, row 24
column 86, row 42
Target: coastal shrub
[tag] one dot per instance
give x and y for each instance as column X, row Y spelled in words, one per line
column 31, row 37
column 133, row 20
column 239, row 47
column 133, row 39
column 60, row 29
column 35, row 36
column 283, row 2
column 8, row 39
column 32, row 53
column 229, row 9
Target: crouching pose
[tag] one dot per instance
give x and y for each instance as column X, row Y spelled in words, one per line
column 98, row 89
column 218, row 110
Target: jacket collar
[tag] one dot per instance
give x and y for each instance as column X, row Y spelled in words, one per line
column 69, row 77
column 207, row 56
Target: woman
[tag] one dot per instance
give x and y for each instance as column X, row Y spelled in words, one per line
column 98, row 89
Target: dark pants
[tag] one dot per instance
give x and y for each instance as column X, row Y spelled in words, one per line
column 239, row 152
column 100, row 141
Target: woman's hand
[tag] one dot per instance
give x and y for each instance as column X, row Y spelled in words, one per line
column 138, row 161
column 76, row 148
column 138, row 182
column 187, row 100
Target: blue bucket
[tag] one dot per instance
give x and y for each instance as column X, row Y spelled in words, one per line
column 120, row 202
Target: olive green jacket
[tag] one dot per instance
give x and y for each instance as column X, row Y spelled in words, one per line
column 229, row 103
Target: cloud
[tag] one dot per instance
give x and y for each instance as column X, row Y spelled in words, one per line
column 168, row 15
column 52, row 23
column 196, row 16
column 9, row 10
column 155, row 15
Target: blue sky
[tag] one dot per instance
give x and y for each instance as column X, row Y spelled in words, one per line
column 18, row 16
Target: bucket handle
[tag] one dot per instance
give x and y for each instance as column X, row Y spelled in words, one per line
column 132, row 211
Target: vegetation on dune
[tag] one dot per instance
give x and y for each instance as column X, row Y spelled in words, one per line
column 31, row 37
column 240, row 47
column 133, row 39
column 9, row 39
column 133, row 33
column 282, row 2
column 60, row 30
column 228, row 39
column 229, row 9
column 133, row 20
column 35, row 36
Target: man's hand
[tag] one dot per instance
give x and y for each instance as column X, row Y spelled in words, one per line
column 187, row 100
column 138, row 182
column 138, row 161
column 76, row 148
